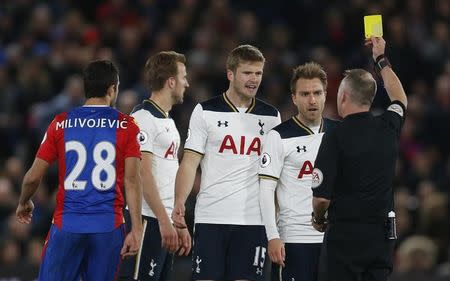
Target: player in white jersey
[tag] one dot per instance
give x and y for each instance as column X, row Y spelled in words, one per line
column 159, row 140
column 286, row 166
column 225, row 137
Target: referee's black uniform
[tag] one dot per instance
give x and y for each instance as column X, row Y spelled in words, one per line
column 356, row 162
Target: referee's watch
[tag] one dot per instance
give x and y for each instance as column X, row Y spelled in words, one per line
column 381, row 62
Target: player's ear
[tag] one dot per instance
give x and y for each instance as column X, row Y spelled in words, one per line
column 170, row 82
column 230, row 74
column 111, row 90
column 294, row 98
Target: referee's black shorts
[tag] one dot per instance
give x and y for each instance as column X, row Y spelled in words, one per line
column 356, row 252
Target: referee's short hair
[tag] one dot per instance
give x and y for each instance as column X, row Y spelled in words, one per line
column 361, row 85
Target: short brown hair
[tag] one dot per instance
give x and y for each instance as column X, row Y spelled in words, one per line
column 362, row 86
column 244, row 53
column 161, row 67
column 309, row 70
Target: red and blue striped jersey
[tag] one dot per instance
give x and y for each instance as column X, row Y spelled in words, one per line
column 90, row 144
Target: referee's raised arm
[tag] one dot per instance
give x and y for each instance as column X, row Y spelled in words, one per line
column 392, row 84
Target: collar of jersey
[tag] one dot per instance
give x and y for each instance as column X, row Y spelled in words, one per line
column 233, row 107
column 306, row 128
column 157, row 107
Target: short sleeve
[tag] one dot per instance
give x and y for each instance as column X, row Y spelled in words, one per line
column 132, row 146
column 272, row 157
column 395, row 115
column 197, row 132
column 147, row 131
column 325, row 166
column 48, row 150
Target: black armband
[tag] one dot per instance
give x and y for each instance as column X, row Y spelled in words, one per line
column 381, row 62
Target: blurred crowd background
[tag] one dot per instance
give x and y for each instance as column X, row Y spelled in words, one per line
column 45, row 44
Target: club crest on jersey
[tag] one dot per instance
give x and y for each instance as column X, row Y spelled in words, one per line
column 261, row 124
column 142, row 137
column 220, row 123
column 265, row 160
column 317, row 177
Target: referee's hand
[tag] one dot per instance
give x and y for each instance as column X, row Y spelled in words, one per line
column 276, row 251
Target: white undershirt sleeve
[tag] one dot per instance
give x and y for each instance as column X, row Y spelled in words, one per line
column 267, row 203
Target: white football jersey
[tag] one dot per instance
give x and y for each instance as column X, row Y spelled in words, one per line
column 288, row 157
column 159, row 136
column 230, row 142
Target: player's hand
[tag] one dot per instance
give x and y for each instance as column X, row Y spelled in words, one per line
column 321, row 227
column 24, row 212
column 184, row 239
column 169, row 236
column 378, row 46
column 178, row 215
column 131, row 244
column 276, row 251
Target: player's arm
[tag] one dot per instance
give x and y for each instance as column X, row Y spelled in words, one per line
column 169, row 238
column 46, row 154
column 183, row 185
column 271, row 164
column 324, row 177
column 194, row 150
column 133, row 191
column 30, row 184
column 392, row 84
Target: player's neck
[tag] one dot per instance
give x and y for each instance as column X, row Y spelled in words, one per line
column 97, row 101
column 163, row 100
column 238, row 100
column 309, row 123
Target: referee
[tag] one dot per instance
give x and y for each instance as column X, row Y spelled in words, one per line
column 353, row 176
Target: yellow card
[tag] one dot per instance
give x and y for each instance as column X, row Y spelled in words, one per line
column 373, row 26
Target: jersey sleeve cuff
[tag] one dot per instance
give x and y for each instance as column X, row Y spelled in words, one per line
column 267, row 177
column 193, row 151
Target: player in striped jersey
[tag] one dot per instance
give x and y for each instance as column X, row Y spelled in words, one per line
column 159, row 140
column 98, row 154
column 286, row 166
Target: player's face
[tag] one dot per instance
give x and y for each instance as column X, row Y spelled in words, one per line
column 246, row 79
column 309, row 97
column 181, row 84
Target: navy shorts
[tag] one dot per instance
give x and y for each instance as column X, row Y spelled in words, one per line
column 152, row 261
column 229, row 252
column 93, row 256
column 301, row 263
